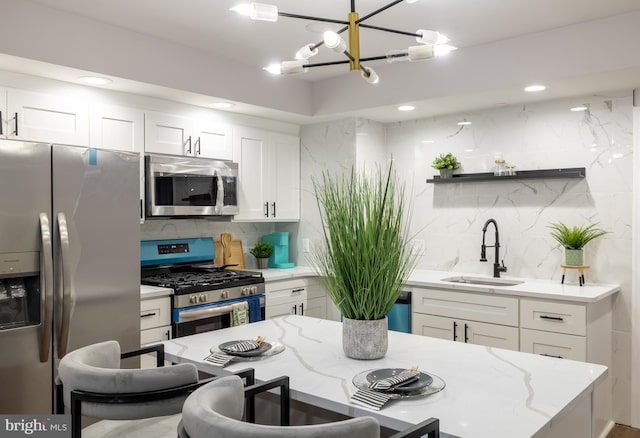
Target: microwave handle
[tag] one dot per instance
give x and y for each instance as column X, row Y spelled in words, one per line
column 220, row 194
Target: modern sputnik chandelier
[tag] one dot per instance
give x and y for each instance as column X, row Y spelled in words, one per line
column 432, row 43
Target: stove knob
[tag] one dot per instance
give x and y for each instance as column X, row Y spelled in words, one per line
column 244, row 291
column 193, row 299
column 254, row 290
column 224, row 294
column 202, row 298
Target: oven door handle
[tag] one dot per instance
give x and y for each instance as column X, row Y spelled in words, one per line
column 192, row 315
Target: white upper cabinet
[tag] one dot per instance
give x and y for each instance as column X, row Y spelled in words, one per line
column 177, row 135
column 45, row 118
column 116, row 127
column 269, row 175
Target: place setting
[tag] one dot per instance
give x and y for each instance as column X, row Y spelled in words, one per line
column 377, row 387
column 243, row 350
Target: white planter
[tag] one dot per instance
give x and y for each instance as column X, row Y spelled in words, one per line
column 363, row 339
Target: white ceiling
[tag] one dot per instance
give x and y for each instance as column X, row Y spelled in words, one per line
column 209, row 27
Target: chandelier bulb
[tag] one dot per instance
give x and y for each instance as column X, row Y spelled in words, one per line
column 369, row 75
column 334, row 41
column 257, row 11
column 443, row 49
column 431, row 37
column 293, row 67
column 307, row 51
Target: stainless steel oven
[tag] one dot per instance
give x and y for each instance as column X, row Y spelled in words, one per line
column 208, row 317
column 187, row 186
column 205, row 296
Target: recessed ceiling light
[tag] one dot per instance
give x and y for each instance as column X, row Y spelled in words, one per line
column 579, row 108
column 221, row 105
column 406, row 108
column 95, row 80
column 464, row 123
column 427, row 141
column 534, row 88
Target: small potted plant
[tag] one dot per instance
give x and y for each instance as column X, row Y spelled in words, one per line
column 262, row 251
column 446, row 164
column 573, row 239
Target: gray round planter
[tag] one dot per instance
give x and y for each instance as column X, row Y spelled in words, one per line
column 362, row 339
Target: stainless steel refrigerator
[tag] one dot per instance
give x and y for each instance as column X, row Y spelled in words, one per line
column 69, row 262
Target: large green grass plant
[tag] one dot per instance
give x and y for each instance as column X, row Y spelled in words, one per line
column 575, row 237
column 365, row 260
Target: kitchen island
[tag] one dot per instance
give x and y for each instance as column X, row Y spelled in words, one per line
column 489, row 392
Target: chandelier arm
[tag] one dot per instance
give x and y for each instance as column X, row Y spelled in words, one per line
column 376, row 12
column 309, row 17
column 378, row 58
column 384, row 29
column 322, row 64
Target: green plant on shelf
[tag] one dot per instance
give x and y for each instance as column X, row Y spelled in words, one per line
column 575, row 237
column 446, row 161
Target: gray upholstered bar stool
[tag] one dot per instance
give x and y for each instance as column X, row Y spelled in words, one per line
column 216, row 409
column 91, row 383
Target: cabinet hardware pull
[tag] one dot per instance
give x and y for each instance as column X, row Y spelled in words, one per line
column 146, row 315
column 1, row 123
column 455, row 329
column 466, row 337
column 297, row 290
column 16, row 133
column 274, row 209
column 168, row 333
column 551, row 355
column 266, row 209
column 294, row 309
column 188, row 141
column 198, row 144
column 302, row 309
column 552, row 318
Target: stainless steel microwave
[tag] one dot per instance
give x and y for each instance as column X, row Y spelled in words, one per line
column 188, row 186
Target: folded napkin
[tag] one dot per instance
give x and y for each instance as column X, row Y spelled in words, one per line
column 370, row 399
column 219, row 359
column 393, row 381
column 242, row 346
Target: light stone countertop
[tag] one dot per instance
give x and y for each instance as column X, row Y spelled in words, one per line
column 547, row 289
column 147, row 292
column 489, row 392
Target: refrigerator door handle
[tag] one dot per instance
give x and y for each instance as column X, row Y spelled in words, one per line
column 67, row 292
column 46, row 293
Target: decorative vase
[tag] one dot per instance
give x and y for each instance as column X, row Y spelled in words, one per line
column 365, row 339
column 446, row 173
column 263, row 262
column 574, row 257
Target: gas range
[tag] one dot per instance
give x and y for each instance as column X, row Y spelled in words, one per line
column 184, row 265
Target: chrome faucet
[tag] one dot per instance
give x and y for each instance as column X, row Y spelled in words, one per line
column 497, row 269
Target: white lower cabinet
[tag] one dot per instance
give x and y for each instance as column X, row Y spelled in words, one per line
column 472, row 332
column 300, row 296
column 553, row 344
column 155, row 325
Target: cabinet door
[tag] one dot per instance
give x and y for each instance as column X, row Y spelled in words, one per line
column 490, row 335
column 213, row 141
column 290, row 308
column 46, row 118
column 435, row 326
column 553, row 344
column 284, row 171
column 168, row 134
column 249, row 151
column 316, row 307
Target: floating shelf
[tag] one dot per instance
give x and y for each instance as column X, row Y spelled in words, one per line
column 574, row 172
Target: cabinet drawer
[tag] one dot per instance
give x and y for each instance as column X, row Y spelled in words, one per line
column 553, row 344
column 155, row 312
column 553, row 317
column 297, row 294
column 469, row 306
column 155, row 335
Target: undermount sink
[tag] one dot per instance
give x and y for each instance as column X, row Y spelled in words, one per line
column 482, row 281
